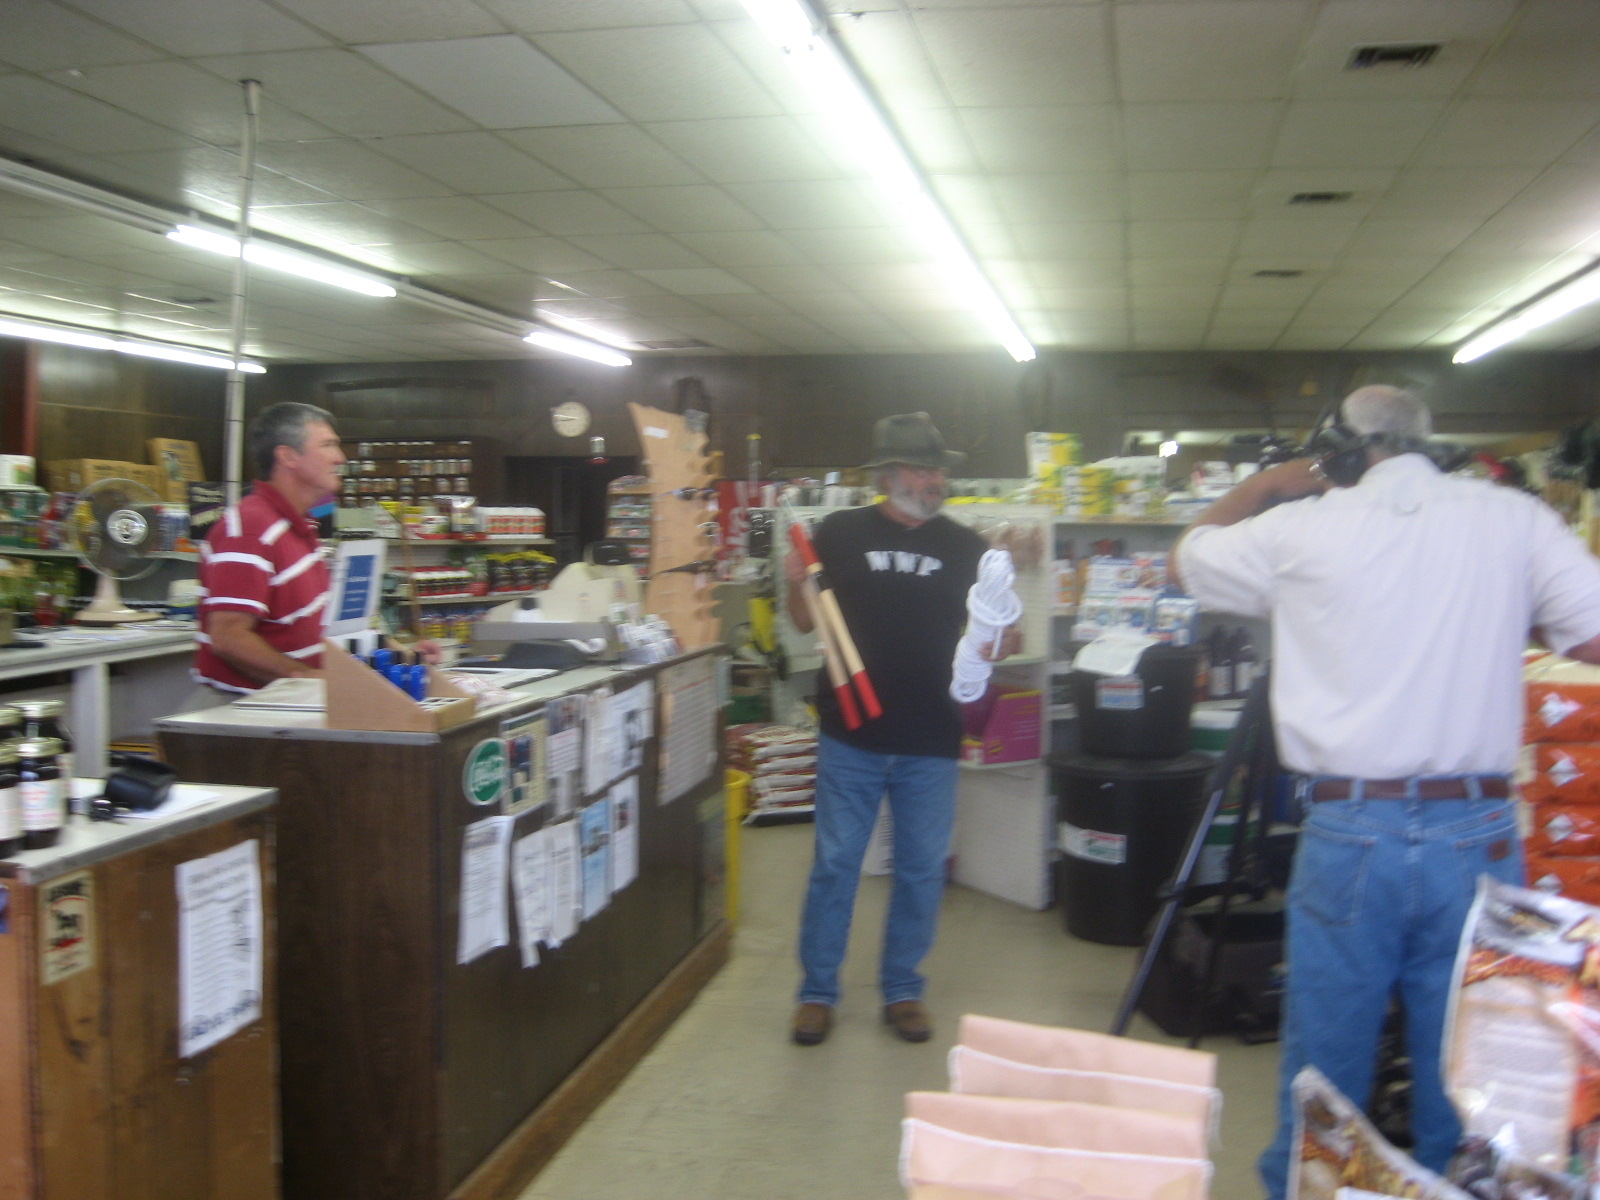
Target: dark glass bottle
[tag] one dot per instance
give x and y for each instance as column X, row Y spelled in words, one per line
column 10, row 723
column 10, row 802
column 42, row 719
column 44, row 807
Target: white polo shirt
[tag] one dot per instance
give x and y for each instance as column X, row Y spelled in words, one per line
column 1400, row 609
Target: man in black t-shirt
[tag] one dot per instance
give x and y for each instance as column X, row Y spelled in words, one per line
column 901, row 573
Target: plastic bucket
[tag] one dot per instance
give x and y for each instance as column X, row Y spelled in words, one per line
column 1143, row 715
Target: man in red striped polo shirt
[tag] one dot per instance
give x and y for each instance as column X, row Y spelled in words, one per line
column 263, row 577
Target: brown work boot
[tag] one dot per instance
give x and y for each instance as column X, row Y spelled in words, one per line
column 811, row 1023
column 909, row 1019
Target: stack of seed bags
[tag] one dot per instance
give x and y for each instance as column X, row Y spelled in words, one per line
column 1560, row 776
column 1036, row 1112
column 781, row 761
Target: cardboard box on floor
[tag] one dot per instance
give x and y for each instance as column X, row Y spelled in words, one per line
column 75, row 474
column 179, row 465
column 359, row 698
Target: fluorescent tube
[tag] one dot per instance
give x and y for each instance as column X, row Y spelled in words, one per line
column 1570, row 297
column 65, row 335
column 264, row 255
column 859, row 123
column 578, row 347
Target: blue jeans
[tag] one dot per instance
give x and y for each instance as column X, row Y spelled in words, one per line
column 1377, row 898
column 851, row 784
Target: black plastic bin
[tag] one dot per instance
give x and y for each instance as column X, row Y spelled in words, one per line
column 1143, row 715
column 1122, row 826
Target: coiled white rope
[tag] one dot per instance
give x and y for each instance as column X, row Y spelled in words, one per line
column 992, row 607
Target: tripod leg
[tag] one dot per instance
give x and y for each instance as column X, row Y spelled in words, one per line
column 1251, row 717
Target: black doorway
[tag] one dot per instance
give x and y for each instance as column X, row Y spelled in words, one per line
column 572, row 493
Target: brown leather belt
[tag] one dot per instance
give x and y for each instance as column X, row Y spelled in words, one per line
column 1490, row 787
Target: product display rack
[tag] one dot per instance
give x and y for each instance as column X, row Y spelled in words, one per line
column 630, row 510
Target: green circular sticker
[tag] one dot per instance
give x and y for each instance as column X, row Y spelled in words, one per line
column 484, row 776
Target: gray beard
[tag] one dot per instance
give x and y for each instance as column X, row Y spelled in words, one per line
column 915, row 505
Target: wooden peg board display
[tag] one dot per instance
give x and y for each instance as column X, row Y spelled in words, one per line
column 675, row 458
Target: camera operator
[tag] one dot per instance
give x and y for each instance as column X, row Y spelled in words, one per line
column 1401, row 600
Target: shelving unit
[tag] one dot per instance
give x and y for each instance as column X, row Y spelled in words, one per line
column 496, row 598
column 630, row 513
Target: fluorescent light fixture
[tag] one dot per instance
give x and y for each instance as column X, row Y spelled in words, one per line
column 1568, row 298
column 584, row 330
column 860, row 124
column 264, row 255
column 578, row 347
column 1168, row 448
column 66, row 335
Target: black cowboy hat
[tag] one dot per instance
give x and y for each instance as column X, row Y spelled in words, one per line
column 913, row 439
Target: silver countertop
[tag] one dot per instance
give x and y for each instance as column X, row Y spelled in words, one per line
column 72, row 648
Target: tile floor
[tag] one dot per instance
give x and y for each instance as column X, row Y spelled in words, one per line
column 727, row 1108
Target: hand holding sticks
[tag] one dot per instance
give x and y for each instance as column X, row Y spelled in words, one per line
column 839, row 648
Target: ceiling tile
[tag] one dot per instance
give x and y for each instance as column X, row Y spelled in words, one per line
column 1281, row 297
column 1410, row 236
column 567, row 213
column 936, row 140
column 1203, row 137
column 1051, row 55
column 1170, row 271
column 500, row 82
column 1354, row 133
column 1078, row 274
column 827, row 204
column 1189, row 195
column 78, row 122
column 1072, row 240
column 187, row 99
column 43, row 36
column 1024, row 140
column 201, row 177
column 816, row 304
column 1182, row 239
column 394, row 20
column 185, row 28
column 341, row 90
column 605, row 155
column 1316, row 237
column 748, row 149
column 337, row 224
column 1249, row 52
column 1147, row 298
column 757, row 248
column 1550, row 49
column 693, row 209
column 632, row 251
column 550, row 16
column 476, row 163
column 665, row 305
column 1048, row 199
column 691, row 75
column 459, row 218
column 899, row 278
column 830, row 247
column 347, row 170
column 1273, row 191
column 1510, row 132
column 697, row 281
column 888, row 48
column 1464, row 29
column 546, row 255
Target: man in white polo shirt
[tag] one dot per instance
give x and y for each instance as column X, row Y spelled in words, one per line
column 1401, row 600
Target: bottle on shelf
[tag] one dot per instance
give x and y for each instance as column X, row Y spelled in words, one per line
column 10, row 802
column 42, row 719
column 1246, row 662
column 1220, row 672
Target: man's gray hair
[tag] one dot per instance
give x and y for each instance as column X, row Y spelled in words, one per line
column 280, row 425
column 1389, row 414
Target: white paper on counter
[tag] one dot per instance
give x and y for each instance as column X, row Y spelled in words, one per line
column 181, row 798
column 219, row 946
column 1113, row 654
column 601, row 753
column 485, row 923
column 594, row 831
column 624, row 832
column 563, row 880
column 530, row 875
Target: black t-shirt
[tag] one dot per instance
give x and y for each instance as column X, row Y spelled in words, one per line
column 903, row 593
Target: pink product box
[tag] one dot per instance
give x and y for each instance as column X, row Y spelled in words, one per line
column 1012, row 732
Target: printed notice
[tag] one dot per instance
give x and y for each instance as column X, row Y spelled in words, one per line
column 601, row 754
column 485, row 924
column 526, row 783
column 563, row 880
column 688, row 727
column 530, row 884
column 564, row 752
column 624, row 832
column 219, row 946
column 66, row 926
column 594, row 830
column 633, row 724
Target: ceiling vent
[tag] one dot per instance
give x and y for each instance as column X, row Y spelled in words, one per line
column 676, row 344
column 1395, row 54
column 1279, row 273
column 1320, row 197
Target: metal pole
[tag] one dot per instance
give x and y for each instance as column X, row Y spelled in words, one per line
column 233, row 457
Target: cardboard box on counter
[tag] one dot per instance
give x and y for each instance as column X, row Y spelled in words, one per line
column 75, row 474
column 179, row 465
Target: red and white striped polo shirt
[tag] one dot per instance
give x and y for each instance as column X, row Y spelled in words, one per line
column 263, row 558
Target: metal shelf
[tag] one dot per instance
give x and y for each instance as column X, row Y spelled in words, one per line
column 1151, row 522
column 489, row 541
column 1005, row 766
column 496, row 598
column 36, row 552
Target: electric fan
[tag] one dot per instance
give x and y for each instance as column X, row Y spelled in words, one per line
column 116, row 528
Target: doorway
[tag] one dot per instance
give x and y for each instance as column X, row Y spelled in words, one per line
column 572, row 493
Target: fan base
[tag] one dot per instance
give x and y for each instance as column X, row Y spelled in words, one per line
column 115, row 616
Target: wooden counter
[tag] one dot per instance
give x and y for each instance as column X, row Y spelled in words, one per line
column 406, row 1076
column 95, row 1102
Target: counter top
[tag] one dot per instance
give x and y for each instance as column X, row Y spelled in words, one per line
column 66, row 649
column 84, row 843
column 308, row 726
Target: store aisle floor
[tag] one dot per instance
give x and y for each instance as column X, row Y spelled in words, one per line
column 727, row 1108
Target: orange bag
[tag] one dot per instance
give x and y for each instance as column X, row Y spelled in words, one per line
column 1564, row 830
column 1563, row 701
column 1577, row 878
column 1562, row 773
